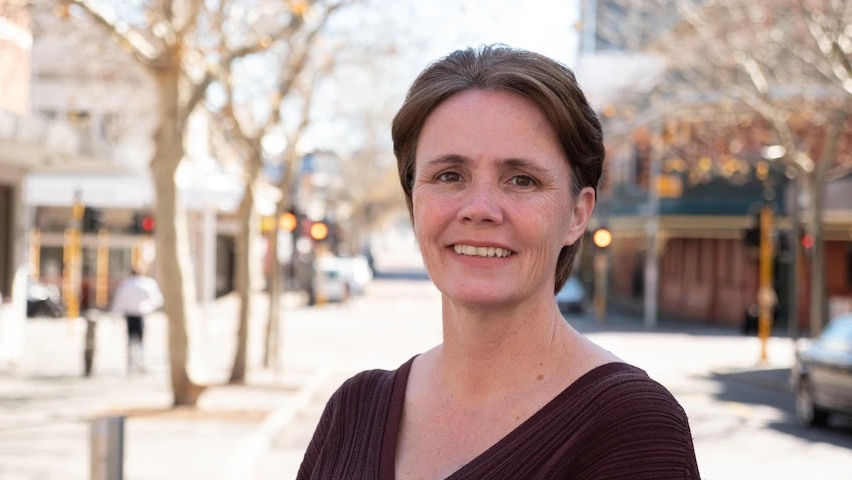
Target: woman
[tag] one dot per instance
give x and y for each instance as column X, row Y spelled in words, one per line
column 499, row 157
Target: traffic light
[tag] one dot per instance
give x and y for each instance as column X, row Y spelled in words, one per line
column 807, row 241
column 319, row 231
column 143, row 223
column 288, row 222
column 93, row 220
column 751, row 235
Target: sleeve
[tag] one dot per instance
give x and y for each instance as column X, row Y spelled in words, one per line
column 347, row 440
column 641, row 432
column 312, row 453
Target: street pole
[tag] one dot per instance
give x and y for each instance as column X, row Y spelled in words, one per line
column 652, row 232
column 765, row 295
column 71, row 256
column 106, row 448
column 600, row 285
column 794, row 258
column 102, row 270
column 602, row 238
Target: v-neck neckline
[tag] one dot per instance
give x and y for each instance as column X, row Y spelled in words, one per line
column 390, row 438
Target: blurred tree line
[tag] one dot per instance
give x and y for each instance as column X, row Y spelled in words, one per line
column 781, row 68
column 254, row 67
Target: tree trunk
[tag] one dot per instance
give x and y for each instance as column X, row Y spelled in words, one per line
column 816, row 303
column 827, row 159
column 271, row 350
column 244, row 264
column 273, row 323
column 171, row 237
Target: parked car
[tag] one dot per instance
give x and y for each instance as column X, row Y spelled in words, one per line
column 572, row 296
column 330, row 281
column 357, row 271
column 821, row 376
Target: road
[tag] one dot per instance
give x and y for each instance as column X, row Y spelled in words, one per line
column 740, row 409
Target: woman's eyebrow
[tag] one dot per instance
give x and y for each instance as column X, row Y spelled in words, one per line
column 450, row 159
column 522, row 164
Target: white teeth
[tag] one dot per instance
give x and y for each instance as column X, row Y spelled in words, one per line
column 482, row 251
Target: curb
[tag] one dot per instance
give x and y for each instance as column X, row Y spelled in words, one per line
column 245, row 461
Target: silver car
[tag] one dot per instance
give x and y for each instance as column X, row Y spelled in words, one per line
column 821, row 377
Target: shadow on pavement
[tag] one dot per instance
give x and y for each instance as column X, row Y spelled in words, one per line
column 770, row 388
column 625, row 320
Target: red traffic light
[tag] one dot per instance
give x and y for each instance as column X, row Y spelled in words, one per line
column 807, row 241
column 143, row 223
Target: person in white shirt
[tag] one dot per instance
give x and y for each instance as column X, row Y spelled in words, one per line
column 136, row 296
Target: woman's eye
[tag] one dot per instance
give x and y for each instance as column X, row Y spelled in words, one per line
column 449, row 177
column 522, row 181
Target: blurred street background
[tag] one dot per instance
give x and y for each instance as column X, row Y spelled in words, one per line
column 238, row 152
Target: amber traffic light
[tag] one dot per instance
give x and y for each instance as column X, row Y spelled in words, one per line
column 318, row 231
column 287, row 222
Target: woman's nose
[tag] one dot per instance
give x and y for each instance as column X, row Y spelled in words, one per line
column 481, row 203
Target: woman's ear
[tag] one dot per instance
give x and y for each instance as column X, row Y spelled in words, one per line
column 584, row 205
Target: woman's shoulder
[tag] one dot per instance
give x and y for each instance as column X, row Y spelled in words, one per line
column 626, row 393
column 369, row 386
column 623, row 380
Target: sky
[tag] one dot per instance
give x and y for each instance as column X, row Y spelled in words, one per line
column 545, row 26
column 422, row 31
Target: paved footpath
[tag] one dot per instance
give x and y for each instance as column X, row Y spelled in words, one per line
column 47, row 405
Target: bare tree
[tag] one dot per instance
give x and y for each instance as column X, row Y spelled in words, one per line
column 176, row 42
column 246, row 133
column 789, row 63
column 784, row 64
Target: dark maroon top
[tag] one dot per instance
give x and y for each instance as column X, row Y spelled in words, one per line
column 614, row 422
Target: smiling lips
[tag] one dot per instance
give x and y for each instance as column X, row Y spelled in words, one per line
column 470, row 250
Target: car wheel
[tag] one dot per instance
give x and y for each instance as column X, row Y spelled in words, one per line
column 807, row 413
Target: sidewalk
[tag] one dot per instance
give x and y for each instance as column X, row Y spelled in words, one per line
column 47, row 405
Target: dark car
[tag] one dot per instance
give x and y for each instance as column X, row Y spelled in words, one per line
column 572, row 296
column 822, row 374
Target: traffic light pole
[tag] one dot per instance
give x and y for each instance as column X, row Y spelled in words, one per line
column 602, row 238
column 71, row 256
column 600, row 284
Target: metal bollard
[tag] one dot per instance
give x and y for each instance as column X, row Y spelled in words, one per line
column 89, row 344
column 107, row 448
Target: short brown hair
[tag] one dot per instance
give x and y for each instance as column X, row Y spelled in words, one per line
column 549, row 84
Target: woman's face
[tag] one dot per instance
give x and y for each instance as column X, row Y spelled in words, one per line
column 492, row 200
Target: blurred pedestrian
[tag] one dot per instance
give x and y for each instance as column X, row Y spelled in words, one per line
column 136, row 296
column 499, row 156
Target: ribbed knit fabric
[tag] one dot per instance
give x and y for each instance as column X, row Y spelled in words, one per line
column 613, row 423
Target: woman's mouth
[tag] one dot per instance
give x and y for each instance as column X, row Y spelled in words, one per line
column 472, row 251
